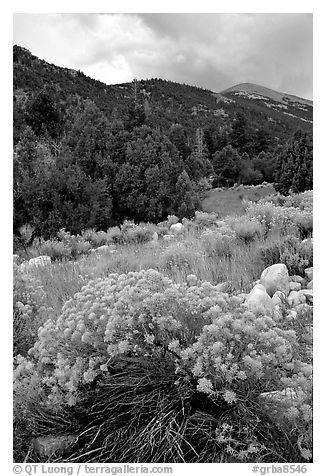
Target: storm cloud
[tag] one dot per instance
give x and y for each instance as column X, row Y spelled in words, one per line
column 214, row 51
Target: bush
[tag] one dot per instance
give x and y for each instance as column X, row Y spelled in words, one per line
column 114, row 235
column 247, row 230
column 177, row 257
column 29, row 311
column 288, row 250
column 95, row 238
column 270, row 253
column 218, row 244
column 285, row 220
column 295, row 263
column 204, row 220
column 163, row 372
column 138, row 234
column 26, row 234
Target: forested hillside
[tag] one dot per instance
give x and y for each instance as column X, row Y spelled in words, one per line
column 87, row 154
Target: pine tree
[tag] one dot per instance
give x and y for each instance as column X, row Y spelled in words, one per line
column 226, row 164
column 293, row 171
column 186, row 201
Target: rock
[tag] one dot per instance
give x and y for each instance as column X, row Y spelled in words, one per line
column 220, row 223
column 297, row 279
column 278, row 298
column 275, row 278
column 283, row 395
column 309, row 273
column 155, row 237
column 15, row 258
column 259, row 300
column 294, row 286
column 295, row 298
column 177, row 228
column 310, row 285
column 35, row 262
column 46, row 446
column 309, row 294
column 168, row 237
column 103, row 249
column 292, row 314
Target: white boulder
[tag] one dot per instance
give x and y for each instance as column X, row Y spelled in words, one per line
column 283, row 395
column 308, row 294
column 310, row 285
column 278, row 298
column 295, row 298
column 309, row 273
column 103, row 249
column 155, row 237
column 294, row 286
column 35, row 262
column 259, row 301
column 275, row 278
column 168, row 237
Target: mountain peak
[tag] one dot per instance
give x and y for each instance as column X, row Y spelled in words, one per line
column 251, row 90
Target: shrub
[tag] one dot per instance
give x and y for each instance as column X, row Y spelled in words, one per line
column 270, row 253
column 295, row 263
column 204, row 220
column 177, row 257
column 247, row 230
column 29, row 311
column 56, row 249
column 114, row 235
column 138, row 234
column 305, row 250
column 217, row 244
column 285, row 220
column 95, row 238
column 168, row 372
column 26, row 233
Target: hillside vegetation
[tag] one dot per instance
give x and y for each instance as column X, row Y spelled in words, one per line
column 143, row 349
column 163, row 272
column 91, row 155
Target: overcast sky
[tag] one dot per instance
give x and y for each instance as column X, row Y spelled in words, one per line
column 214, row 51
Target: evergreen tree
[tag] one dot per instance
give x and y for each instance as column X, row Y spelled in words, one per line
column 226, row 164
column 265, row 164
column 186, row 202
column 178, row 137
column 293, row 171
column 239, row 136
column 42, row 115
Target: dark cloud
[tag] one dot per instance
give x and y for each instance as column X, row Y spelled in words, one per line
column 210, row 50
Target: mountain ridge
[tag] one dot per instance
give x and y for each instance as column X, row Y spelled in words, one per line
column 265, row 91
column 166, row 102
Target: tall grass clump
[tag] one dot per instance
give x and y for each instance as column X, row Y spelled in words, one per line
column 247, row 230
column 153, row 371
column 218, row 243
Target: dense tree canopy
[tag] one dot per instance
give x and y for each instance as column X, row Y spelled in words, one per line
column 91, row 155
